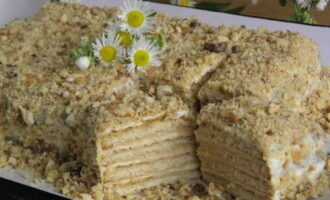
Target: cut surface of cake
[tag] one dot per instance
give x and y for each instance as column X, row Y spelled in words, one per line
column 143, row 142
column 261, row 153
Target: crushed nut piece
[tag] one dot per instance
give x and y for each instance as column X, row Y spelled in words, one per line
column 216, row 48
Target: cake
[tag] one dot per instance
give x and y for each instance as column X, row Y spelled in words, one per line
column 281, row 154
column 213, row 112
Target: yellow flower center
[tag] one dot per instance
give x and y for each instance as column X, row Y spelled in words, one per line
column 135, row 18
column 184, row 3
column 142, row 58
column 126, row 39
column 108, row 53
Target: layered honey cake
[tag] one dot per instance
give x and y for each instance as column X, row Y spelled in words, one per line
column 260, row 98
column 258, row 152
column 144, row 142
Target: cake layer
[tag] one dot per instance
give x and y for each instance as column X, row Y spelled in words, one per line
column 238, row 189
column 154, row 131
column 212, row 135
column 248, row 165
column 237, row 176
column 154, row 152
column 153, row 181
column 152, row 156
column 142, row 169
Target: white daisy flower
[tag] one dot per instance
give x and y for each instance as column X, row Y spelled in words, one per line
column 107, row 48
column 126, row 38
column 320, row 6
column 83, row 63
column 303, row 3
column 136, row 17
column 142, row 55
column 186, row 3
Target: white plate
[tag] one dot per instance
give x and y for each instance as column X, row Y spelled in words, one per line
column 9, row 10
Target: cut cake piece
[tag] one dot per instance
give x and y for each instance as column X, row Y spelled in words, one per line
column 273, row 66
column 143, row 142
column 260, row 151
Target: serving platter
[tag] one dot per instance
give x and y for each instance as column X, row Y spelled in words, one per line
column 10, row 10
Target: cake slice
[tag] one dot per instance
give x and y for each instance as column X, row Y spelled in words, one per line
column 277, row 66
column 261, row 151
column 144, row 142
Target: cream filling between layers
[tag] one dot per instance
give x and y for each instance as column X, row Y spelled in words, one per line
column 153, row 157
column 108, row 156
column 154, row 181
column 108, row 128
column 128, row 144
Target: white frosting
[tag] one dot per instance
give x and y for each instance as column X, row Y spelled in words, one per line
column 308, row 169
column 328, row 144
column 316, row 170
column 277, row 195
column 275, row 166
column 181, row 113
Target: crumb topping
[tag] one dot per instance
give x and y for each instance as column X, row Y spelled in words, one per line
column 274, row 66
column 265, row 123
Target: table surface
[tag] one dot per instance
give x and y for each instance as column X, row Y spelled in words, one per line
column 269, row 9
column 10, row 11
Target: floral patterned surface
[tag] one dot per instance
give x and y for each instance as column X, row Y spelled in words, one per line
column 303, row 11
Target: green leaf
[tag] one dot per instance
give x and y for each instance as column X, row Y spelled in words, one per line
column 158, row 40
column 236, row 10
column 83, row 49
column 301, row 15
column 161, row 42
column 212, row 6
column 282, row 2
column 153, row 14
